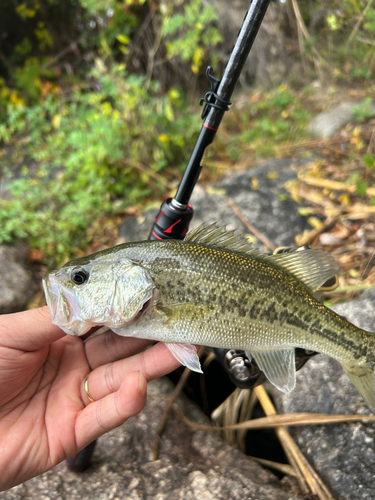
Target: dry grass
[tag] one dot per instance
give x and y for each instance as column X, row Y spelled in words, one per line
column 337, row 194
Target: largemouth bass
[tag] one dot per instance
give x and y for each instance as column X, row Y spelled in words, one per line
column 213, row 289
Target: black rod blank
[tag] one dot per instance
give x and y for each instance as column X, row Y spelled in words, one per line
column 237, row 59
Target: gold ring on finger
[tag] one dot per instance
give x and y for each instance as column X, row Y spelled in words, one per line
column 86, row 387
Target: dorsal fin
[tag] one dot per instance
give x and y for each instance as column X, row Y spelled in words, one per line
column 312, row 266
column 218, row 236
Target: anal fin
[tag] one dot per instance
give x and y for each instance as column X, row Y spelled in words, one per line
column 278, row 366
column 186, row 354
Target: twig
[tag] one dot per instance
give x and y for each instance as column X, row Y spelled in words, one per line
column 359, row 22
column 72, row 47
column 310, row 237
column 369, row 148
column 152, row 52
column 352, row 288
column 141, row 30
column 238, row 407
column 301, row 26
column 172, row 400
column 154, row 175
column 366, row 40
column 202, row 380
column 274, row 420
column 250, row 227
column 151, row 173
column 300, row 22
column 284, row 468
column 247, row 410
column 293, row 453
column 300, row 31
column 334, row 185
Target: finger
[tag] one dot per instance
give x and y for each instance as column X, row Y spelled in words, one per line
column 155, row 362
column 111, row 411
column 110, row 347
column 28, row 330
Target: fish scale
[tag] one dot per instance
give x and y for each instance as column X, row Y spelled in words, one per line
column 253, row 280
column 204, row 291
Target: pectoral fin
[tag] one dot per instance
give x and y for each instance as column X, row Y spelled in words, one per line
column 278, row 366
column 186, row 354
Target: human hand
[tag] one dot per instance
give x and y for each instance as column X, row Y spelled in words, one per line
column 45, row 415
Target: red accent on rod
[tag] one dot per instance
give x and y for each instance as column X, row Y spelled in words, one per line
column 169, row 230
column 156, row 236
column 204, row 125
column 157, row 218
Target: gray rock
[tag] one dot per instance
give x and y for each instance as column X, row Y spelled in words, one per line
column 191, row 465
column 342, row 454
column 326, row 124
column 259, row 194
column 268, row 60
column 17, row 285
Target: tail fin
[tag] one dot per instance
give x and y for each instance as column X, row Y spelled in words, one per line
column 363, row 379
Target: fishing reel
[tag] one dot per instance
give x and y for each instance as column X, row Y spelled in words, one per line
column 245, row 373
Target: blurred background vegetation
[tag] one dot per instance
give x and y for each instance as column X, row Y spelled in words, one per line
column 98, row 103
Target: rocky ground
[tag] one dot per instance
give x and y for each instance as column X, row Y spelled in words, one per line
column 344, row 455
column 191, row 465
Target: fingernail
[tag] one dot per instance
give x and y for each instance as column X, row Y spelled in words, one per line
column 142, row 385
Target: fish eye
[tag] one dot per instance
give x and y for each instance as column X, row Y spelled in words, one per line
column 79, row 276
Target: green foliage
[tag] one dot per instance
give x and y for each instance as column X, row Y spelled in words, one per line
column 182, row 30
column 361, row 189
column 274, row 118
column 361, row 181
column 364, row 111
column 88, row 147
column 91, row 143
column 333, row 22
column 342, row 36
column 369, row 23
column 193, row 33
column 369, row 161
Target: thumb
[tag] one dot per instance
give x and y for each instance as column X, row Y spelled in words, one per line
column 28, row 330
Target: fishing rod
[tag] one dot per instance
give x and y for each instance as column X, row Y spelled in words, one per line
column 175, row 214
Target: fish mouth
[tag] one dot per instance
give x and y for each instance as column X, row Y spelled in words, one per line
column 60, row 308
column 66, row 314
column 51, row 292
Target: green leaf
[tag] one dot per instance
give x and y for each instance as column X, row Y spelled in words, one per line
column 368, row 160
column 125, row 40
column 361, row 189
